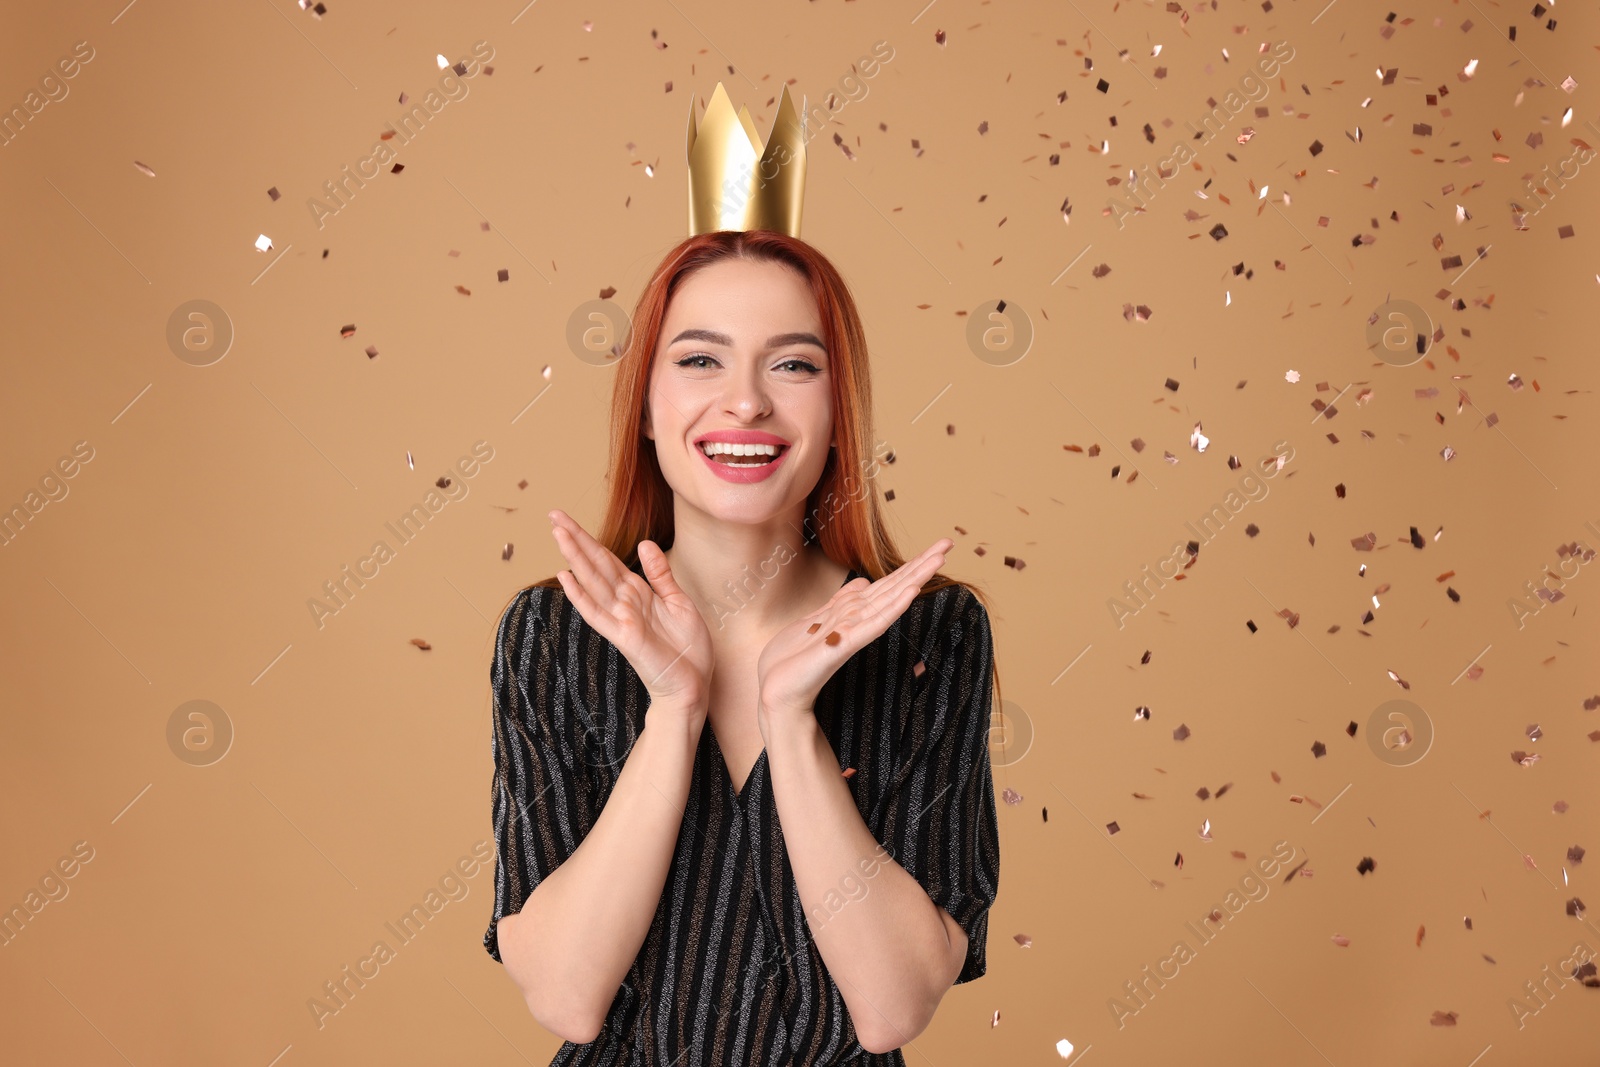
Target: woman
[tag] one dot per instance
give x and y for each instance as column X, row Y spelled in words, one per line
column 742, row 797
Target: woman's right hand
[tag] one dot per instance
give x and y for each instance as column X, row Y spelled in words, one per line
column 655, row 625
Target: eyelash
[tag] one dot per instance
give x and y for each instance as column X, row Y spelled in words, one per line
column 810, row 367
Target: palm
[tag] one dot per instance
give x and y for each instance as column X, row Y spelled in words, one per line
column 673, row 643
column 798, row 661
column 653, row 623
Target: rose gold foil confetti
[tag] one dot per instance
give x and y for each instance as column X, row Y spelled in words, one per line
column 420, row 643
column 1011, row 796
column 832, row 638
column 848, row 772
column 1341, row 940
column 1023, row 939
column 1444, row 1018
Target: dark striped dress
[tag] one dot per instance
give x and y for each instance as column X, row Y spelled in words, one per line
column 728, row 973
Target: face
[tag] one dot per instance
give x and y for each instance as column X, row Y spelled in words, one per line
column 741, row 349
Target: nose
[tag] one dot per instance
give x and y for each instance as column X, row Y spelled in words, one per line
column 746, row 394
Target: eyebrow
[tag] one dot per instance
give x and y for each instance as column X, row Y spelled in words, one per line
column 777, row 340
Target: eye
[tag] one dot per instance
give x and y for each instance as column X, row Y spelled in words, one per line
column 693, row 360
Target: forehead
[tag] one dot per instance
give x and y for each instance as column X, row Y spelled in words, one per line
column 742, row 297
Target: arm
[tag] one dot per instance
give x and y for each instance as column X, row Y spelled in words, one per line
column 586, row 874
column 893, row 951
column 896, row 943
column 580, row 930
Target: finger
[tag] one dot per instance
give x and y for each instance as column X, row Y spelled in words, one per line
column 656, row 570
column 595, row 566
column 912, row 573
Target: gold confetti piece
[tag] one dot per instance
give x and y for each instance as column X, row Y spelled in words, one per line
column 420, row 643
column 1420, row 931
column 1444, row 1018
column 151, row 174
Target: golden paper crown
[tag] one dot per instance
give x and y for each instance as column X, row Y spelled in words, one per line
column 735, row 184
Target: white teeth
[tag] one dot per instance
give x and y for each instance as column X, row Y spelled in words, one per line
column 713, row 448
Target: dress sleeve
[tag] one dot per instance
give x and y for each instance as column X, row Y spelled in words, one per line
column 542, row 799
column 937, row 818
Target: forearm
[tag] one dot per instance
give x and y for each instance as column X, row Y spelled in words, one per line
column 579, row 932
column 888, row 949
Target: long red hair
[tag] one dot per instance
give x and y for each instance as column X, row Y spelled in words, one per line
column 842, row 513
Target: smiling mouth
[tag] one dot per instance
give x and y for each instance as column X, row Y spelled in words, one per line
column 728, row 459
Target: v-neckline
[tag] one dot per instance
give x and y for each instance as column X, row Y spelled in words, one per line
column 724, row 772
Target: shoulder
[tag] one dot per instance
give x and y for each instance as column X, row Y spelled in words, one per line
column 954, row 611
column 533, row 614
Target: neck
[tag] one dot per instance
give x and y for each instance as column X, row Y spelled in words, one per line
column 745, row 579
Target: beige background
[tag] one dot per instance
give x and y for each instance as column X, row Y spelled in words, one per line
column 179, row 565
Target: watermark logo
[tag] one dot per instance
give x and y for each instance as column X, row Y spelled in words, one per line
column 199, row 733
column 199, row 333
column 595, row 330
column 999, row 333
column 1010, row 734
column 1399, row 733
column 1399, row 332
column 1574, row 556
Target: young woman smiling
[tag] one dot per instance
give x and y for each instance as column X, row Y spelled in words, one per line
column 686, row 780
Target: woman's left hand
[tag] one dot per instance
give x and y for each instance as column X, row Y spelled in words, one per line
column 798, row 661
